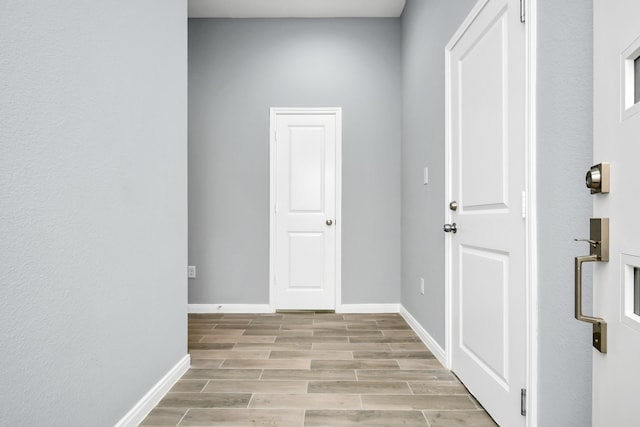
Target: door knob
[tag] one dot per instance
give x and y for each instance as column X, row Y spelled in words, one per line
column 451, row 228
column 453, row 205
column 329, row 222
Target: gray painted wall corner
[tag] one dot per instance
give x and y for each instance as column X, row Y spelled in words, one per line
column 564, row 152
column 427, row 27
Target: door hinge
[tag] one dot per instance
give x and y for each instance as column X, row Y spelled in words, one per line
column 523, row 16
column 524, row 204
column 523, row 402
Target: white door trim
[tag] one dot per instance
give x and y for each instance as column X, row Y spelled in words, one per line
column 274, row 112
column 530, row 200
column 532, row 212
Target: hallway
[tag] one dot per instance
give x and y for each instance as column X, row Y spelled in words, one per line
column 313, row 369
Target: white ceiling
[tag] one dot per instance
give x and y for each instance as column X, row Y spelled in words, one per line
column 295, row 8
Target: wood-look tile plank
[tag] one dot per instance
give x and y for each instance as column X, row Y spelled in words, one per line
column 205, row 400
column 393, row 355
column 312, row 354
column 459, row 419
column 232, row 326
column 266, row 364
column 194, row 338
column 201, row 330
column 278, row 332
column 311, row 339
column 346, row 333
column 372, row 316
column 239, row 339
column 280, row 322
column 243, row 418
column 355, row 364
column 352, row 347
column 230, row 354
column 273, row 346
column 359, row 418
column 437, row 387
column 399, row 402
column 432, row 364
column 164, row 417
column 329, row 324
column 263, row 386
column 219, row 332
column 188, row 386
column 404, row 375
column 306, row 401
column 308, row 375
column 383, row 339
column 359, row 387
column 398, row 333
column 205, row 316
column 408, row 346
column 210, row 346
column 197, row 363
column 213, row 374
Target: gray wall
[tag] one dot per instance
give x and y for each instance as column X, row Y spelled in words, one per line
column 427, row 27
column 93, row 214
column 565, row 138
column 238, row 69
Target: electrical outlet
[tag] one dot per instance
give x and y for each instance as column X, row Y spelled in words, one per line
column 191, row 272
column 421, row 286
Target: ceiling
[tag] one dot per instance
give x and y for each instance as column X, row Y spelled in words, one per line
column 295, row 8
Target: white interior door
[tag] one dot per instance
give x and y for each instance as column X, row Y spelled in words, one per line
column 616, row 377
column 486, row 125
column 305, row 217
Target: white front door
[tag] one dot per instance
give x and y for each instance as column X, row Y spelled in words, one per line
column 616, row 283
column 305, row 223
column 486, row 262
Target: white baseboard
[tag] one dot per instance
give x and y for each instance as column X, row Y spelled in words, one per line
column 153, row 396
column 266, row 308
column 231, row 308
column 368, row 308
column 428, row 340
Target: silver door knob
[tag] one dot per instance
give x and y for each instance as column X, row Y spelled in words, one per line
column 451, row 228
column 329, row 222
column 453, row 205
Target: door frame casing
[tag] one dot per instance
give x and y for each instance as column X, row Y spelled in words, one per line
column 273, row 116
column 529, row 201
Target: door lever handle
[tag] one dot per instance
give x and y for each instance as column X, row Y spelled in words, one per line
column 593, row 243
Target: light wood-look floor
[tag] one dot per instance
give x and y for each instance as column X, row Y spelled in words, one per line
column 312, row 370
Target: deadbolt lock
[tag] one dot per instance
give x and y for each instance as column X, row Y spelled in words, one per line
column 597, row 178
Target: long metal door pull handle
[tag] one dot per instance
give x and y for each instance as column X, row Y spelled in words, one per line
column 599, row 325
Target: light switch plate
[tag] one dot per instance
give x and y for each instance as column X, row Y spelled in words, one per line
column 425, row 176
